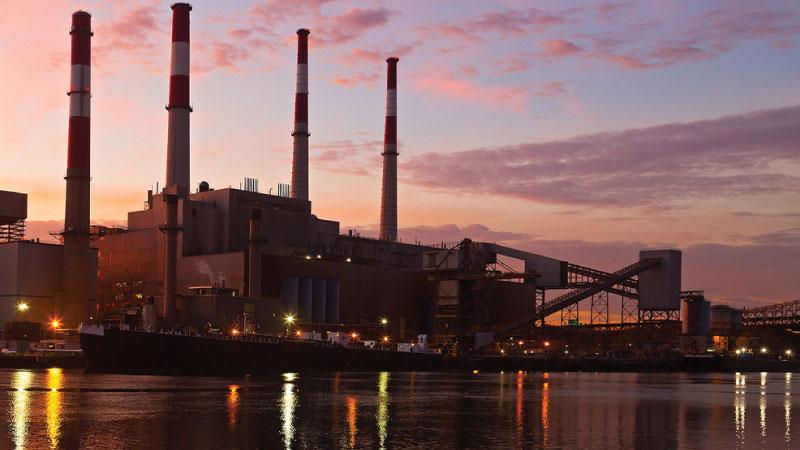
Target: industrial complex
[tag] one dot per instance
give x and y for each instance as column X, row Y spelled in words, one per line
column 205, row 259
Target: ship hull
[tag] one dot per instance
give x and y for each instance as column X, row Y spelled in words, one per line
column 125, row 351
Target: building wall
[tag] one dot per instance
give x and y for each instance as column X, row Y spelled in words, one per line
column 31, row 272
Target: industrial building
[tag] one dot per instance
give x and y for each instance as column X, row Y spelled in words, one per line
column 201, row 257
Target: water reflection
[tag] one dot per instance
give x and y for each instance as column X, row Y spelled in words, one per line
column 55, row 381
column 352, row 420
column 739, row 408
column 382, row 413
column 71, row 409
column 288, row 404
column 520, row 398
column 545, row 410
column 233, row 405
column 20, row 405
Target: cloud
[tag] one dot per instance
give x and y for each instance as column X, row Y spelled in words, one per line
column 559, row 48
column 351, row 25
column 360, row 158
column 358, row 56
column 512, row 22
column 448, row 233
column 551, row 50
column 136, row 33
column 666, row 165
column 699, row 37
column 356, row 79
column 445, row 84
column 273, row 11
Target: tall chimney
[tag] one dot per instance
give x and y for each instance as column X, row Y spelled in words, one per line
column 300, row 133
column 75, row 285
column 388, row 229
column 177, row 183
column 254, row 255
column 178, row 107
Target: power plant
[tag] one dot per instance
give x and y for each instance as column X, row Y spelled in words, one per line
column 210, row 259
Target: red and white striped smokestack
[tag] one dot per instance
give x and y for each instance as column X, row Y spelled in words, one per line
column 75, row 285
column 299, row 187
column 178, row 107
column 388, row 230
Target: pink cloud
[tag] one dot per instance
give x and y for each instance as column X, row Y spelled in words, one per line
column 351, row 25
column 359, row 56
column 445, row 84
column 666, row 165
column 558, row 48
column 272, row 11
column 700, row 37
column 356, row 79
column 359, row 158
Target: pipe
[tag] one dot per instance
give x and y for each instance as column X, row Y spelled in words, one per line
column 388, row 224
column 75, row 285
column 254, row 255
column 300, row 134
column 170, row 230
column 178, row 107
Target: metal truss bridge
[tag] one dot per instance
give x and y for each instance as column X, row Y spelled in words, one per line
column 786, row 313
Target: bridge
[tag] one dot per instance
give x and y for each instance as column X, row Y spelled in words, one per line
column 786, row 313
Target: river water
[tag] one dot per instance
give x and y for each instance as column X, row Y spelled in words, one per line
column 71, row 409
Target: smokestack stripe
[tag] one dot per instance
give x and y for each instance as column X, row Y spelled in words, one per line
column 178, row 150
column 300, row 133
column 79, row 91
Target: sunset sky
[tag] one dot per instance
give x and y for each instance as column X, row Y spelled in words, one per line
column 576, row 129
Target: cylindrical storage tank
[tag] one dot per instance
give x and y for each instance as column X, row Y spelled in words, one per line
column 704, row 326
column 290, row 287
column 318, row 301
column 305, row 299
column 694, row 317
column 333, row 288
column 720, row 319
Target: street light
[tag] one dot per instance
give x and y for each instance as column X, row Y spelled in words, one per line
column 289, row 319
column 384, row 321
column 22, row 307
column 788, row 352
column 55, row 324
column 763, row 350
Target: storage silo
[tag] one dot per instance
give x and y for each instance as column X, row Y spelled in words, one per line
column 305, row 299
column 695, row 316
column 318, row 301
column 332, row 298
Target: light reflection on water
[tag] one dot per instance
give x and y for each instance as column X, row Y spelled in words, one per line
column 20, row 406
column 288, row 404
column 55, row 382
column 586, row 411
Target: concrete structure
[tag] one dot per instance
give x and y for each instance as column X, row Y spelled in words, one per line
column 74, row 305
column 660, row 287
column 299, row 189
column 32, row 273
column 388, row 224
